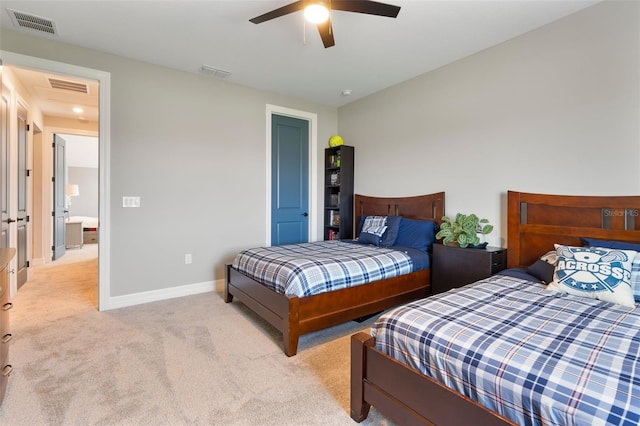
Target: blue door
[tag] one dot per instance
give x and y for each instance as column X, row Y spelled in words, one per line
column 289, row 180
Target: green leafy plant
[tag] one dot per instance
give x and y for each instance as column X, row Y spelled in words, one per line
column 463, row 229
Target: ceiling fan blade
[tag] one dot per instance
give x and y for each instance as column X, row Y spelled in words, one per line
column 326, row 33
column 281, row 11
column 365, row 6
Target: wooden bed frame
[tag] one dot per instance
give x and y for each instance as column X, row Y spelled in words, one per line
column 535, row 223
column 294, row 316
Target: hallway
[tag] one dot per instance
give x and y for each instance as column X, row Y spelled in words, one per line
column 62, row 288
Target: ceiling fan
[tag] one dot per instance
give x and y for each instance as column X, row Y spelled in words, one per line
column 322, row 11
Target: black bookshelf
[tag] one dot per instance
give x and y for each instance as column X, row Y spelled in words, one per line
column 338, row 192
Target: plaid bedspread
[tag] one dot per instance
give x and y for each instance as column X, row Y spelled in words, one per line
column 535, row 356
column 312, row 268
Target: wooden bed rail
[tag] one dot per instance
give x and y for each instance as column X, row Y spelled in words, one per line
column 405, row 397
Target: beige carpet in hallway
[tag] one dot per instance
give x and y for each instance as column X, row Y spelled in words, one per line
column 188, row 361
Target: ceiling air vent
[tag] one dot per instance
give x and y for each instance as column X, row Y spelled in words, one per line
column 71, row 86
column 215, row 72
column 32, row 22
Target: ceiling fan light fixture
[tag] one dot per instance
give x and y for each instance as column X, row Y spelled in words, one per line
column 316, row 13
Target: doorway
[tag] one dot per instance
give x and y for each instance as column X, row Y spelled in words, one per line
column 312, row 119
column 289, row 180
column 103, row 79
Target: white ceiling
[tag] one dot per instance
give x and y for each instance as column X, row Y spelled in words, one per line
column 371, row 52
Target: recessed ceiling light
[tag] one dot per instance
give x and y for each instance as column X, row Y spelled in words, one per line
column 346, row 92
column 78, row 110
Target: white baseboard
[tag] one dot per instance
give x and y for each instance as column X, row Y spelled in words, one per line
column 164, row 294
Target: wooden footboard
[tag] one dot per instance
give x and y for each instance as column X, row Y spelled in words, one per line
column 294, row 316
column 405, row 395
column 279, row 311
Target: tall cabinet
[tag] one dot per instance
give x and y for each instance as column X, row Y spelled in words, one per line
column 6, row 254
column 338, row 193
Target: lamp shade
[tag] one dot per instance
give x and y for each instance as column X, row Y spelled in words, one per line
column 72, row 190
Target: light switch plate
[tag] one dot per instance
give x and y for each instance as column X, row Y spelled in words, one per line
column 129, row 201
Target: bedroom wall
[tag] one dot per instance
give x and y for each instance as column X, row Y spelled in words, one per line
column 85, row 204
column 556, row 110
column 194, row 149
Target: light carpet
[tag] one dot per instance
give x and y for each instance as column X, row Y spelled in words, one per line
column 189, row 361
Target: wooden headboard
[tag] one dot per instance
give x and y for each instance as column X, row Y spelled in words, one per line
column 537, row 221
column 423, row 207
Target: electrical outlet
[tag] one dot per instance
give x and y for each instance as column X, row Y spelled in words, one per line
column 187, row 259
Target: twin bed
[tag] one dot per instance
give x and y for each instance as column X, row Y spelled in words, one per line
column 507, row 350
column 300, row 308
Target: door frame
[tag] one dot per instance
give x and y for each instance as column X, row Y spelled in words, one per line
column 312, row 118
column 104, row 80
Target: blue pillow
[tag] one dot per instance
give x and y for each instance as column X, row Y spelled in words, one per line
column 620, row 245
column 373, row 228
column 367, row 238
column 542, row 270
column 391, row 234
column 418, row 234
column 360, row 223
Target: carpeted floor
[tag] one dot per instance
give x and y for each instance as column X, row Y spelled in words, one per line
column 189, row 361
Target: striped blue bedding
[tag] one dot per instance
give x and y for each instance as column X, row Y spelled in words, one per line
column 535, row 356
column 312, row 268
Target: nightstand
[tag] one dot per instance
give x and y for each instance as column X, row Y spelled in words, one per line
column 73, row 234
column 453, row 267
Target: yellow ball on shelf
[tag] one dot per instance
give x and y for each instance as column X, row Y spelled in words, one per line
column 335, row 141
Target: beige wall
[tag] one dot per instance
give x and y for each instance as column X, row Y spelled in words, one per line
column 86, row 203
column 194, row 149
column 556, row 110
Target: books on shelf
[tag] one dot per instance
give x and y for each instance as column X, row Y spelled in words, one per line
column 334, row 218
column 334, row 178
column 334, row 160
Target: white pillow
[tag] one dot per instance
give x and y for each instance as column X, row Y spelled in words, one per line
column 594, row 272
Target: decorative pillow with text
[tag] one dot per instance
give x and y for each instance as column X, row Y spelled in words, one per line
column 635, row 265
column 594, row 272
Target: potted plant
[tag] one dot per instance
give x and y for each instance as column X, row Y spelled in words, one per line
column 463, row 230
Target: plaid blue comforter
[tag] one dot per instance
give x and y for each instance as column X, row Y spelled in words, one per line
column 535, row 356
column 312, row 268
